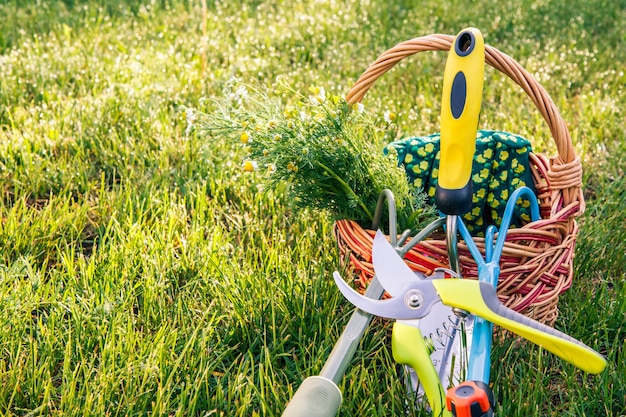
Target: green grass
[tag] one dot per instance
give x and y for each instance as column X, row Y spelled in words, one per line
column 141, row 272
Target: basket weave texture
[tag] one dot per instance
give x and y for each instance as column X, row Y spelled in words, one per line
column 536, row 264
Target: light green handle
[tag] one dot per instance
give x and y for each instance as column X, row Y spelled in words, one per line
column 408, row 347
column 480, row 299
column 316, row 397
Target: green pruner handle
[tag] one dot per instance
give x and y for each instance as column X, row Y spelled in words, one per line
column 408, row 348
column 460, row 108
column 480, row 299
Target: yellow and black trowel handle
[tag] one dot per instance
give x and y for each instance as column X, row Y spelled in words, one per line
column 460, row 108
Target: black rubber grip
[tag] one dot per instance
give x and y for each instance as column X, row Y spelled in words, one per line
column 454, row 202
column 458, row 95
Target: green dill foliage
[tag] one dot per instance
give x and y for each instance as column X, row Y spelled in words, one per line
column 329, row 152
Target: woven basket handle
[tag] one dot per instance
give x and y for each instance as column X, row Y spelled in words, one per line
column 566, row 169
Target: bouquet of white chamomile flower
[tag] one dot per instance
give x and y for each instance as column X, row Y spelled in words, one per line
column 328, row 152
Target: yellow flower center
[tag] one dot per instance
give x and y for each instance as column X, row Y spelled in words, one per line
column 292, row 167
column 249, row 166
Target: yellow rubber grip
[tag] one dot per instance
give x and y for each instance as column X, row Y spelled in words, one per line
column 409, row 348
column 460, row 108
column 480, row 298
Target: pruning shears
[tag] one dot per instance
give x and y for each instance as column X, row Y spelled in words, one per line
column 413, row 298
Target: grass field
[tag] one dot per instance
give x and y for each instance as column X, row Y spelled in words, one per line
column 143, row 272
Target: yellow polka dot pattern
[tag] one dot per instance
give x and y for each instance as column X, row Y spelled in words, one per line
column 500, row 166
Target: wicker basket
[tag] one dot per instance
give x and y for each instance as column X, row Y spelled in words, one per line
column 536, row 264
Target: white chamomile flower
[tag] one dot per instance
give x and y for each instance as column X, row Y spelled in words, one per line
column 250, row 166
column 320, row 95
column 191, row 117
column 241, row 92
column 389, row 116
column 245, row 137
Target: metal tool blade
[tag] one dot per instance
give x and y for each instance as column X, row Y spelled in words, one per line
column 389, row 267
